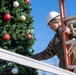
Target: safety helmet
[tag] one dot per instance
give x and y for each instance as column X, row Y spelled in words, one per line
column 52, row 15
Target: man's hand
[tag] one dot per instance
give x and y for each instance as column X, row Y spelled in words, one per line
column 65, row 29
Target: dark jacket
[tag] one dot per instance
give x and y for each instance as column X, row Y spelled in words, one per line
column 55, row 47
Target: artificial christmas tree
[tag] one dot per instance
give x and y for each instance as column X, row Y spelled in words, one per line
column 16, row 34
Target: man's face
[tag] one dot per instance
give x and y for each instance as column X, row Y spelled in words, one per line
column 54, row 25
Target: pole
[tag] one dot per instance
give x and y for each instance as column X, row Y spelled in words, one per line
column 64, row 35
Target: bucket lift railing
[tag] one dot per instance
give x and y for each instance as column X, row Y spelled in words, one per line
column 26, row 61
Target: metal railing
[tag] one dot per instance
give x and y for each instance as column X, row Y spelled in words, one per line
column 26, row 61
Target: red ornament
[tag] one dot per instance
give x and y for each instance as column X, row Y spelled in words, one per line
column 27, row 1
column 29, row 36
column 7, row 16
column 6, row 37
column 20, row 51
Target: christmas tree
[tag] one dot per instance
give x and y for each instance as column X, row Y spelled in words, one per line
column 16, row 34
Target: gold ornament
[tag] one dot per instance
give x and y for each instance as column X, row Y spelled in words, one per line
column 22, row 18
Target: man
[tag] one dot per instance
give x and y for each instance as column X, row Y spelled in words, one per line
column 55, row 46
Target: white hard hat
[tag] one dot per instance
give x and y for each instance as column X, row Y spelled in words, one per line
column 52, row 15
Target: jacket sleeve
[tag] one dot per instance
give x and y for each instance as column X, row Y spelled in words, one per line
column 49, row 52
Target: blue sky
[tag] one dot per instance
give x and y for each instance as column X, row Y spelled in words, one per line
column 43, row 34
